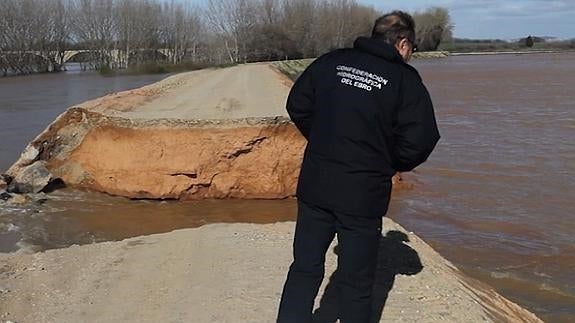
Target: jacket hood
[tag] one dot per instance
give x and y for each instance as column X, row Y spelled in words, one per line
column 378, row 48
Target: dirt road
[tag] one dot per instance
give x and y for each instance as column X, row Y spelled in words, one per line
column 229, row 273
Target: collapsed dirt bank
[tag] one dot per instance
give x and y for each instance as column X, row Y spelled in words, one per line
column 216, row 133
column 260, row 161
column 229, row 273
column 172, row 159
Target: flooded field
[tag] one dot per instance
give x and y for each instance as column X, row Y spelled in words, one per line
column 496, row 197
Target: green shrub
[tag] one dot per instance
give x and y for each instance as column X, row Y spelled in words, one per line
column 105, row 70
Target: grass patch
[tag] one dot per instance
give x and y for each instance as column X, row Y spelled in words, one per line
column 224, row 65
column 105, row 70
column 431, row 54
column 293, row 68
column 466, row 47
column 159, row 68
column 153, row 68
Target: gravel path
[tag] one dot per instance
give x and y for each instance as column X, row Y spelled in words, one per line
column 228, row 273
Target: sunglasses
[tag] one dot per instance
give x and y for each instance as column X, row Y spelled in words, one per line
column 413, row 45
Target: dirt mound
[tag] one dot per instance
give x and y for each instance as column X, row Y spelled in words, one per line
column 215, row 133
column 187, row 162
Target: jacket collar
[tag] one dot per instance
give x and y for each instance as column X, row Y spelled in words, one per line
column 377, row 48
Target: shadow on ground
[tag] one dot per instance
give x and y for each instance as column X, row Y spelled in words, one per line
column 395, row 257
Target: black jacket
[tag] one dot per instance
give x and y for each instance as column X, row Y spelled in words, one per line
column 366, row 114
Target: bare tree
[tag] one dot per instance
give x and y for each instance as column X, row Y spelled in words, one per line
column 269, row 11
column 180, row 31
column 300, row 23
column 432, row 27
column 35, row 34
column 234, row 21
column 127, row 33
column 58, row 32
column 341, row 22
column 32, row 36
column 95, row 27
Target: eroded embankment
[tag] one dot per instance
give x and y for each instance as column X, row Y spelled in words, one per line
column 170, row 159
column 215, row 133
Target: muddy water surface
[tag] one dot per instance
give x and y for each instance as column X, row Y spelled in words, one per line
column 498, row 194
column 30, row 103
column 496, row 197
column 75, row 217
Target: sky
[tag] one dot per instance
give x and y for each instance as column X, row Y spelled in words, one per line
column 503, row 19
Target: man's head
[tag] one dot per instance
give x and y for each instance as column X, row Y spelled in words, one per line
column 396, row 28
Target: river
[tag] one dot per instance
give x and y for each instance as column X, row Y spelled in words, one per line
column 496, row 197
column 30, row 103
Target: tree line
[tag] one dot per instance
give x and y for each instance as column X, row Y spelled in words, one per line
column 35, row 35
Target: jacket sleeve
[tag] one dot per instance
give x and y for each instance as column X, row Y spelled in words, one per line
column 415, row 129
column 301, row 101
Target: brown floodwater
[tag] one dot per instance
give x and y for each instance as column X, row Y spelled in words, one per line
column 79, row 217
column 498, row 194
column 496, row 197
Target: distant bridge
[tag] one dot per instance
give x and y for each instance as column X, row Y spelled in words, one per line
column 115, row 56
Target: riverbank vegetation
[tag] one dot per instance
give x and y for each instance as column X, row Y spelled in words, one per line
column 293, row 68
column 499, row 45
column 109, row 35
column 152, row 68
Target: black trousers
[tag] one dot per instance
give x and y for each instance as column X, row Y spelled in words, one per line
column 358, row 244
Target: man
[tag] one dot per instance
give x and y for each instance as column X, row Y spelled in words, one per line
column 366, row 115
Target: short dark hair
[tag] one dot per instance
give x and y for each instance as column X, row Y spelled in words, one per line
column 394, row 26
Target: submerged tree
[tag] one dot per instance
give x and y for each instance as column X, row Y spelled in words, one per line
column 529, row 41
column 433, row 26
